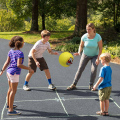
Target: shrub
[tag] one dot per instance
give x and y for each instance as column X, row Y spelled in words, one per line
column 10, row 22
column 59, row 47
column 114, row 51
column 72, row 27
column 68, row 47
column 75, row 40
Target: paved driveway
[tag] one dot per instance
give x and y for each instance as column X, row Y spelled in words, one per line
column 41, row 103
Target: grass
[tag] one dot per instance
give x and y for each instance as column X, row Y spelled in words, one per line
column 33, row 37
column 56, row 39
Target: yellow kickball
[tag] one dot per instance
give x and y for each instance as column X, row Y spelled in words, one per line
column 66, row 59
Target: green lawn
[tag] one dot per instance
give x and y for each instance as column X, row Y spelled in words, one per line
column 32, row 38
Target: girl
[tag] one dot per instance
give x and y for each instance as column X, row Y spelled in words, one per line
column 15, row 59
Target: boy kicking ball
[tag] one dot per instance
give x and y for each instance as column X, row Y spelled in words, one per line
column 104, row 84
column 36, row 59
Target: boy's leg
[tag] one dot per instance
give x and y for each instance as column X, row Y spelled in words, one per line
column 106, row 105
column 101, row 112
column 48, row 76
column 32, row 65
column 102, row 105
column 25, row 86
column 108, row 92
column 47, row 73
column 28, row 76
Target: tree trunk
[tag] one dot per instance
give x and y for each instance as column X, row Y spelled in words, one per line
column 114, row 13
column 81, row 17
column 34, row 26
column 43, row 20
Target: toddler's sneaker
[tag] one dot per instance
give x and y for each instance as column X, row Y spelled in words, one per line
column 13, row 113
column 25, row 87
column 14, row 106
column 51, row 87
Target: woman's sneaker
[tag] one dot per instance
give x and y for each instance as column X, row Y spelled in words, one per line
column 51, row 87
column 14, row 106
column 13, row 113
column 91, row 87
column 25, row 87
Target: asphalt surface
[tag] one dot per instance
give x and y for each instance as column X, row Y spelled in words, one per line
column 42, row 103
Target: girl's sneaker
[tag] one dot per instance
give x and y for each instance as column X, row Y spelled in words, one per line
column 14, row 106
column 13, row 113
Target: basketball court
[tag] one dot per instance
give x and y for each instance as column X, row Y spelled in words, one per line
column 42, row 103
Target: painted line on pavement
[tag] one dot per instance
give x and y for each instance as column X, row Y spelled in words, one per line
column 56, row 86
column 59, row 117
column 62, row 103
column 3, row 109
column 56, row 99
column 115, row 103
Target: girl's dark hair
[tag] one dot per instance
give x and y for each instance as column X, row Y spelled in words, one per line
column 16, row 41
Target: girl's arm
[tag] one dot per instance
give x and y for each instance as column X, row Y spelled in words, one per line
column 5, row 65
column 20, row 65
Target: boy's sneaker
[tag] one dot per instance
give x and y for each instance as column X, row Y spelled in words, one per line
column 13, row 113
column 25, row 87
column 14, row 106
column 51, row 87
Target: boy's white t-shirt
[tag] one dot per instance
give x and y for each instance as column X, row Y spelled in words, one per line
column 40, row 48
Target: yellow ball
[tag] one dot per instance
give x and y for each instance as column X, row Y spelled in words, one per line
column 66, row 59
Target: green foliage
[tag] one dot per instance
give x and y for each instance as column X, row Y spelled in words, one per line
column 58, row 25
column 59, row 47
column 113, row 50
column 9, row 21
column 68, row 47
column 75, row 40
column 22, row 8
column 27, row 25
column 52, row 24
column 72, row 27
column 106, row 11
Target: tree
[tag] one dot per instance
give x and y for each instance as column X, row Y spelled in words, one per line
column 56, row 8
column 81, row 17
column 34, row 26
column 53, row 8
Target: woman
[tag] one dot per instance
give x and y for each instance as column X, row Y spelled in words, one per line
column 91, row 44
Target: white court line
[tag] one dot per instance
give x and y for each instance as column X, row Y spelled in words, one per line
column 58, row 117
column 55, row 99
column 56, row 87
column 34, row 100
column 115, row 103
column 61, row 103
column 3, row 109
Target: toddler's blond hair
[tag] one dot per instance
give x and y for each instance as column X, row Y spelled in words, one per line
column 106, row 57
